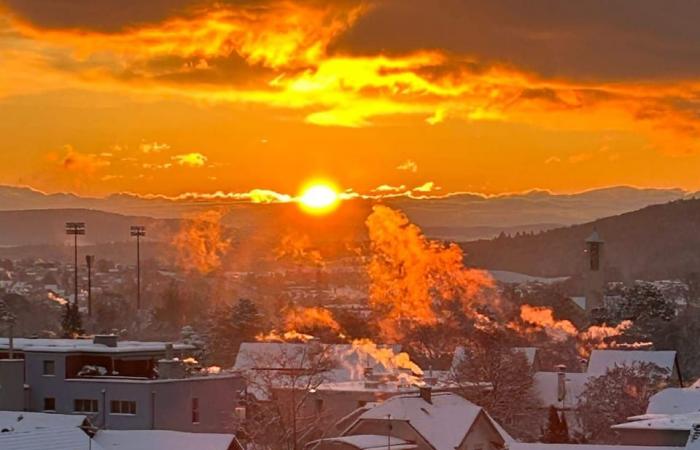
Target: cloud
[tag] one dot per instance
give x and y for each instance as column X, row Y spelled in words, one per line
column 426, row 187
column 75, row 161
column 153, row 147
column 384, row 188
column 409, row 166
column 583, row 65
column 193, row 159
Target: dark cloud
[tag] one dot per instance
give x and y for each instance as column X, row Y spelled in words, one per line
column 592, row 39
column 95, row 15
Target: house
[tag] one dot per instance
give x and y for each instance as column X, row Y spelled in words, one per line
column 669, row 418
column 274, row 363
column 421, row 421
column 117, row 384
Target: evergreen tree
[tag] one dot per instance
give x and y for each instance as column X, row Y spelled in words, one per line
column 72, row 322
column 231, row 325
column 557, row 430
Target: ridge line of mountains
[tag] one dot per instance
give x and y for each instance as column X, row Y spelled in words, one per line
column 649, row 233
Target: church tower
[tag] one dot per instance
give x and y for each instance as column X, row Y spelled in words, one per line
column 594, row 281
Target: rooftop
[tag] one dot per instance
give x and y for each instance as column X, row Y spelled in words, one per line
column 602, row 360
column 444, row 421
column 86, row 346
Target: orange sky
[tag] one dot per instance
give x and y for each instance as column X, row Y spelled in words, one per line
column 168, row 97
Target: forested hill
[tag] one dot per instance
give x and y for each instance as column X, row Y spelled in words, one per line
column 659, row 241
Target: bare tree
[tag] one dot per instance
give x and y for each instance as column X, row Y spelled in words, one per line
column 284, row 410
column 622, row 392
column 499, row 379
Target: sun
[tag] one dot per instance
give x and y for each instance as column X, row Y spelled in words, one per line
column 319, row 197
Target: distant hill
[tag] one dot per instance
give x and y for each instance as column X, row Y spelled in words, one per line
column 463, row 216
column 47, row 226
column 660, row 241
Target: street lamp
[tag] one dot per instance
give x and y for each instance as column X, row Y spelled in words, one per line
column 75, row 229
column 138, row 231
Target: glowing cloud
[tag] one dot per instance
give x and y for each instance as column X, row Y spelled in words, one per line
column 191, row 159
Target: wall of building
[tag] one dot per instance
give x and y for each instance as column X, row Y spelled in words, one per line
column 662, row 438
column 482, row 436
column 160, row 404
column 12, row 384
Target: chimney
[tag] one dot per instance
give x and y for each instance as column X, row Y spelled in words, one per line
column 426, row 393
column 168, row 351
column 561, row 382
column 108, row 340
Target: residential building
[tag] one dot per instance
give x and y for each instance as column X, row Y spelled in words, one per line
column 421, row 421
column 119, row 385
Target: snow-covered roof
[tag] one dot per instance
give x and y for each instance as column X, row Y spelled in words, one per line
column 28, row 421
column 602, row 360
column 675, row 401
column 371, row 442
column 162, row 440
column 60, row 438
column 542, row 446
column 443, row 422
column 676, row 422
column 41, row 431
column 505, row 276
column 546, row 386
column 86, row 345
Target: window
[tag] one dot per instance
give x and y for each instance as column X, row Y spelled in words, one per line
column 49, row 367
column 195, row 410
column 49, row 404
column 85, row 405
column 122, row 407
column 319, row 405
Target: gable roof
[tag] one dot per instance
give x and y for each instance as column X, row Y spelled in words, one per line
column 602, row 360
column 444, row 422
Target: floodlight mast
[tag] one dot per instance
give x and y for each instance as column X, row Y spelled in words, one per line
column 138, row 231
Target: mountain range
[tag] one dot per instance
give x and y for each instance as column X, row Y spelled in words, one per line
column 459, row 217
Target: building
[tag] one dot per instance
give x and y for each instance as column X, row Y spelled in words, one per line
column 562, row 389
column 118, row 385
column 669, row 418
column 421, row 421
column 594, row 277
